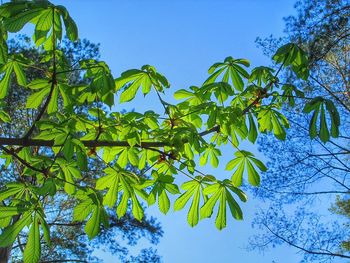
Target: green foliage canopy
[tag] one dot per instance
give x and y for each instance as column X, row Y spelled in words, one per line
column 231, row 106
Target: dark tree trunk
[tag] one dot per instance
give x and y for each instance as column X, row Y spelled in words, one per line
column 4, row 254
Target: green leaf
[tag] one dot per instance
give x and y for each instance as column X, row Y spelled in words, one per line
column 220, row 221
column 53, row 104
column 324, row 134
column 82, row 210
column 17, row 22
column 10, row 233
column 110, row 181
column 35, row 99
column 207, row 208
column 231, row 68
column 272, row 120
column 92, row 227
column 39, row 84
column 235, row 209
column 193, row 189
column 253, row 176
column 163, row 202
column 43, row 25
column 11, row 190
column 5, row 82
column 70, row 172
column 4, row 116
column 32, row 250
column 318, row 105
column 133, row 79
column 46, row 229
column 161, row 185
column 21, row 78
column 182, row 200
column 193, row 213
column 123, row 158
column 182, row 94
column 213, row 153
column 137, row 209
column 130, row 92
column 253, row 133
column 123, row 205
column 9, row 211
column 71, row 27
column 245, row 160
column 292, row 55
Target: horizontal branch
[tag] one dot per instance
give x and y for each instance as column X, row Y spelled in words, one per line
column 24, row 142
column 93, row 143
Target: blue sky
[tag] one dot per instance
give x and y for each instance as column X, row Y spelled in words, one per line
column 182, row 39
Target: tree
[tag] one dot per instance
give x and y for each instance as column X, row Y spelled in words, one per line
column 311, row 174
column 68, row 241
column 232, row 105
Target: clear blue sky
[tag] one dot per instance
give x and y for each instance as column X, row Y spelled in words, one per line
column 182, row 38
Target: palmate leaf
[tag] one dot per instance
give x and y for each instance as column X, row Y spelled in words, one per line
column 101, row 87
column 12, row 66
column 261, row 75
column 83, row 209
column 211, row 152
column 162, row 184
column 133, row 79
column 292, row 55
column 12, row 189
column 35, row 100
column 221, row 90
column 193, row 189
column 110, row 181
column 45, row 16
column 245, row 161
column 272, row 120
column 126, row 183
column 42, row 89
column 220, row 192
column 44, row 226
column 69, row 172
column 194, row 97
column 289, row 94
column 128, row 155
column 21, row 78
column 90, row 205
column 229, row 69
column 319, row 106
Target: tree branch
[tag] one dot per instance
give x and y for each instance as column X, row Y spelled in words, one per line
column 93, row 143
column 24, row 162
column 330, row 254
